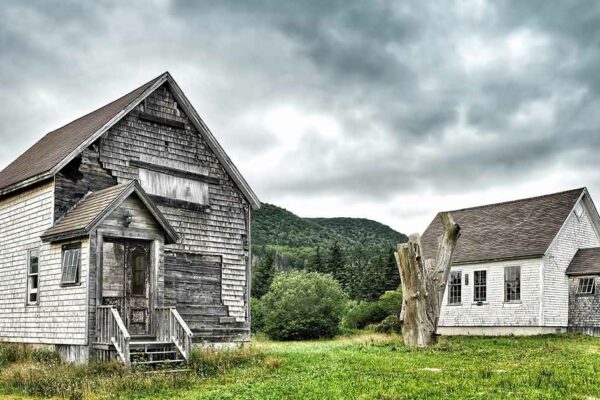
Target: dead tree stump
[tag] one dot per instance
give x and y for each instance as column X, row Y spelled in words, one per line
column 423, row 284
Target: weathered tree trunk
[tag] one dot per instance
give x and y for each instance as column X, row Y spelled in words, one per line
column 423, row 284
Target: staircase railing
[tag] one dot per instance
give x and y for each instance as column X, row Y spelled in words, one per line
column 110, row 329
column 170, row 327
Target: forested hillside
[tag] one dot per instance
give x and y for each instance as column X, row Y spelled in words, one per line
column 358, row 252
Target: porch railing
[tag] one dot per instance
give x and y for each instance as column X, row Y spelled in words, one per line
column 170, row 327
column 110, row 330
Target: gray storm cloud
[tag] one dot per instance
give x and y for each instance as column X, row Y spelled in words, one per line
column 335, row 107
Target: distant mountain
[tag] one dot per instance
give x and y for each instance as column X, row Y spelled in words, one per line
column 296, row 238
column 362, row 231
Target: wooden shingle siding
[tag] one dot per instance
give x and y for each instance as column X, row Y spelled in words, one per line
column 82, row 175
column 577, row 233
column 60, row 316
column 219, row 231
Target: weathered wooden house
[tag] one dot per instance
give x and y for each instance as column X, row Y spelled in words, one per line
column 523, row 267
column 127, row 230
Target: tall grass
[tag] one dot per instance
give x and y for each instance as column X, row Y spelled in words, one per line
column 35, row 372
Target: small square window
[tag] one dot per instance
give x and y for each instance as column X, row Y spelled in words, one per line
column 585, row 286
column 71, row 263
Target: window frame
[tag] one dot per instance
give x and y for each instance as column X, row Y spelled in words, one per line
column 77, row 279
column 451, row 300
column 581, row 283
column 517, row 280
column 28, row 289
column 479, row 285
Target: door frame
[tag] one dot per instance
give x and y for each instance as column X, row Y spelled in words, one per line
column 154, row 239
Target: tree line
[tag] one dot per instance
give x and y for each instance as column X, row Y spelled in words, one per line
column 364, row 273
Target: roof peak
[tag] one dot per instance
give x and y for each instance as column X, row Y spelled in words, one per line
column 518, row 200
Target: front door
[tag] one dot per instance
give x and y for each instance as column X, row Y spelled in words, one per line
column 126, row 282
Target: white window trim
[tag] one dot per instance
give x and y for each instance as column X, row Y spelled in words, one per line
column 579, row 281
column 487, row 275
column 449, row 286
column 504, row 284
column 28, row 289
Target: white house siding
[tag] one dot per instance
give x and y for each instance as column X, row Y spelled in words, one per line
column 577, row 233
column 60, row 316
column 494, row 312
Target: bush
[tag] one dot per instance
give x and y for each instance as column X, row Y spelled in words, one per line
column 391, row 301
column 303, row 305
column 363, row 313
column 258, row 315
column 391, row 324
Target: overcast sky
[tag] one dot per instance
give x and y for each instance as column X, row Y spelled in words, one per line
column 385, row 110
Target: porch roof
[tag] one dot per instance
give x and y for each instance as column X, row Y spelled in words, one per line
column 585, row 262
column 82, row 219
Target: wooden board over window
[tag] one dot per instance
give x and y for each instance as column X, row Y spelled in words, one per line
column 174, row 187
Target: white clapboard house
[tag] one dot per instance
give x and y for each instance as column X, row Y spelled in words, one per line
column 126, row 234
column 523, row 267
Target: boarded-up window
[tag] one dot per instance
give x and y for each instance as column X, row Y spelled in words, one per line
column 71, row 263
column 33, row 257
column 113, row 269
column 174, row 187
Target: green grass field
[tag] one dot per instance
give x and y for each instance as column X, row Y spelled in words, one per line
column 370, row 366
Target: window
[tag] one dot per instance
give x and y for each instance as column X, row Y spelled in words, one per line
column 138, row 282
column 480, row 286
column 585, row 286
column 455, row 288
column 71, row 262
column 174, row 187
column 33, row 263
column 512, row 284
column 579, row 211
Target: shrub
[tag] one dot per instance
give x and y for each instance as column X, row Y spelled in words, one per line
column 391, row 301
column 303, row 305
column 391, row 324
column 363, row 313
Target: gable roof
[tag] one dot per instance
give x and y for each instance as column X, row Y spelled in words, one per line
column 511, row 230
column 57, row 148
column 585, row 262
column 82, row 219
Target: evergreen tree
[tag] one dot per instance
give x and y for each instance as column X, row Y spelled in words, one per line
column 336, row 263
column 391, row 274
column 316, row 262
column 263, row 274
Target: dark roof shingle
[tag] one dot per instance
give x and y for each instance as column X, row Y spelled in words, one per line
column 55, row 146
column 511, row 230
column 93, row 208
column 585, row 262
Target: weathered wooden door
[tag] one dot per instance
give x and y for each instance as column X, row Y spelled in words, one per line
column 126, row 282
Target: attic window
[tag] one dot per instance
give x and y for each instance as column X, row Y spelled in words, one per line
column 579, row 211
column 585, row 286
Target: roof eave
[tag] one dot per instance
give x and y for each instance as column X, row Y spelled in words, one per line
column 498, row 259
column 63, row 236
